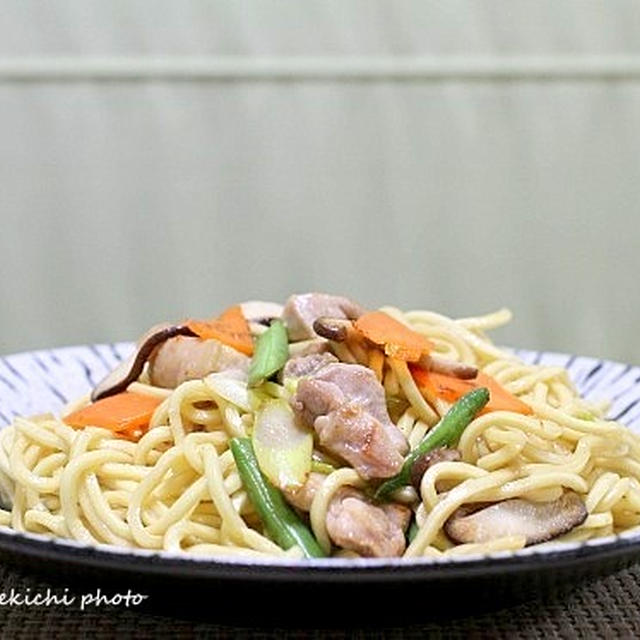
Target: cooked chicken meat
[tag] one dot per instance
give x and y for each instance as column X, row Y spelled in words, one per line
column 130, row 369
column 354, row 523
column 303, row 497
column 398, row 513
column 307, row 365
column 301, row 311
column 183, row 358
column 308, row 347
column 345, row 404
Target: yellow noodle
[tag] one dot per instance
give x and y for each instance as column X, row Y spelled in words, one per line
column 507, row 543
column 411, row 391
column 178, row 488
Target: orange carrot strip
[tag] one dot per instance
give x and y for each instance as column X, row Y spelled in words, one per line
column 127, row 414
column 437, row 385
column 397, row 339
column 231, row 328
column 132, row 434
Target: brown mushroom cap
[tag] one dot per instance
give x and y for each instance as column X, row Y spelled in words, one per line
column 130, row 369
column 537, row 521
column 336, row 329
column 448, row 367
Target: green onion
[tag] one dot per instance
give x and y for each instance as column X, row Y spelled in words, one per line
column 281, row 521
column 270, row 355
column 322, row 467
column 446, row 433
column 282, row 446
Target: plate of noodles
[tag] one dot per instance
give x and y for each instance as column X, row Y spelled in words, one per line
column 317, row 440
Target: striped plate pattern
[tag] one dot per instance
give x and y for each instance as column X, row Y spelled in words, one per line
column 44, row 381
column 40, row 381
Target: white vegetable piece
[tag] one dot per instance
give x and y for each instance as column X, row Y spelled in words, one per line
column 283, row 446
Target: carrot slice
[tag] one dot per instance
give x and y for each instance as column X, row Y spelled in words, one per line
column 133, row 434
column 127, row 414
column 231, row 328
column 397, row 339
column 437, row 385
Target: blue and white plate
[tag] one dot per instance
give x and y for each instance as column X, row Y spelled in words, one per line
column 41, row 381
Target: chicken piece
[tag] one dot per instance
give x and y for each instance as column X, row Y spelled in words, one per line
column 183, row 358
column 307, row 365
column 301, row 311
column 345, row 404
column 354, row 523
column 130, row 369
column 303, row 497
column 308, row 347
column 398, row 513
column 357, row 437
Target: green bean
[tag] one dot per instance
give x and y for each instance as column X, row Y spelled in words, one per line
column 281, row 521
column 413, row 531
column 270, row 355
column 446, row 433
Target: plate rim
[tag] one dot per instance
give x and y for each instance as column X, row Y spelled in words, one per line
column 159, row 561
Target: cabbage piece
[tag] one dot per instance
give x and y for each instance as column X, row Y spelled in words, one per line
column 228, row 388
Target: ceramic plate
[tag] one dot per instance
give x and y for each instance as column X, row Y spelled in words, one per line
column 41, row 381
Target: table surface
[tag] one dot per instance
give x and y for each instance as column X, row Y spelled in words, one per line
column 604, row 608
